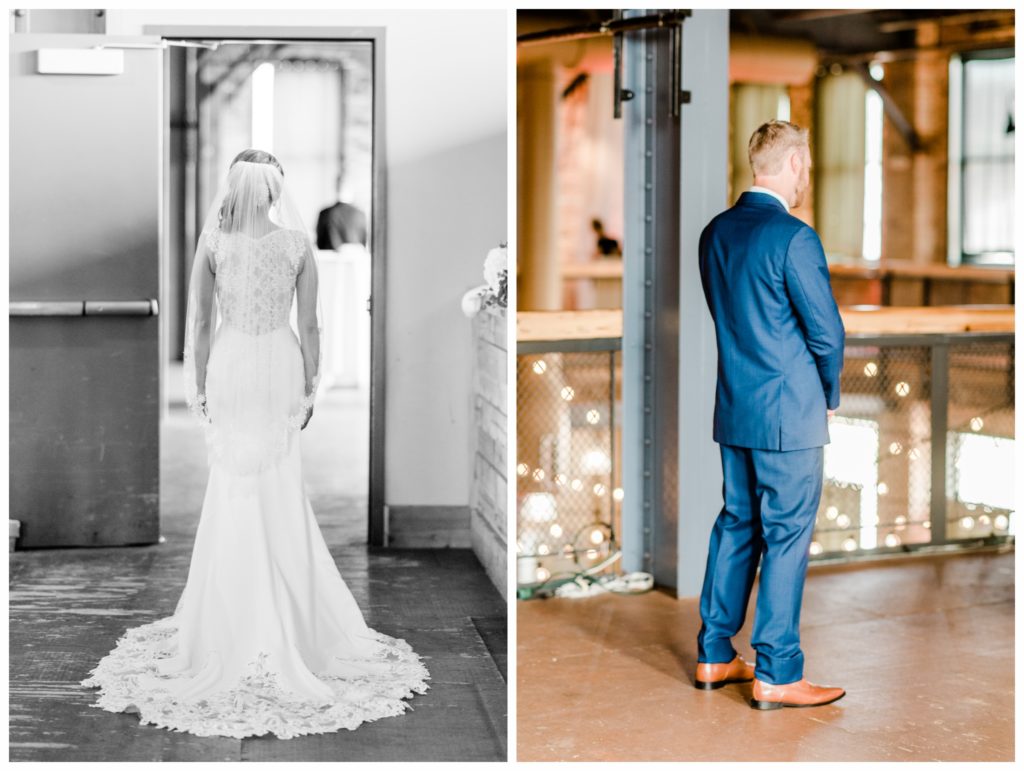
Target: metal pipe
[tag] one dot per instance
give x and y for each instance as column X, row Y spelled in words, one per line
column 604, row 28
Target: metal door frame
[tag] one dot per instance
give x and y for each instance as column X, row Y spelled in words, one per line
column 376, row 533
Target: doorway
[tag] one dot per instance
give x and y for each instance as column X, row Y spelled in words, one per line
column 312, row 101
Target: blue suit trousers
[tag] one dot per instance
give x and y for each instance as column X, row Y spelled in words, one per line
column 770, row 502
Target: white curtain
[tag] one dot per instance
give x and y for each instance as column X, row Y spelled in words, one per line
column 839, row 160
column 752, row 105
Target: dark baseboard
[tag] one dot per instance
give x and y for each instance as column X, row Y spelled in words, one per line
column 428, row 527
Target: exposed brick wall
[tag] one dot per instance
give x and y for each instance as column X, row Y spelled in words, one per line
column 914, row 183
column 488, row 495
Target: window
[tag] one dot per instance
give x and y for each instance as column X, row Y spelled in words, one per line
column 981, row 158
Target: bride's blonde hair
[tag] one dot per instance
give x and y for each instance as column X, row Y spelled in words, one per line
column 228, row 214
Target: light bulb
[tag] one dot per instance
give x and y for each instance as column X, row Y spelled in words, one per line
column 596, row 537
column 902, row 388
column 816, row 548
column 543, row 549
column 599, row 489
column 883, row 488
column 892, row 540
column 538, row 474
column 831, row 512
column 871, row 369
column 843, row 521
column 895, row 448
column 593, row 417
column 556, row 530
column 523, row 469
column 561, row 479
column 967, row 523
column 568, row 393
column 977, row 424
column 576, row 485
column 543, row 574
column 540, row 366
column 1001, row 522
column 618, row 493
column 849, row 545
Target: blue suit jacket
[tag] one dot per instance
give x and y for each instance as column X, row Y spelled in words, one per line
column 780, row 337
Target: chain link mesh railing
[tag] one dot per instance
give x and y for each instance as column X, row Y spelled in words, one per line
column 922, row 447
column 567, row 472
column 921, row 452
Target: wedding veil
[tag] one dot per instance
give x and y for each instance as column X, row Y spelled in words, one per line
column 253, row 327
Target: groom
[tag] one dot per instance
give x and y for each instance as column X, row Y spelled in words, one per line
column 780, row 352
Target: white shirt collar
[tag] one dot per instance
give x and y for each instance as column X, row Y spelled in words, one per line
column 759, row 189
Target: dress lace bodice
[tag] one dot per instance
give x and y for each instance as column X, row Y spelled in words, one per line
column 255, row 277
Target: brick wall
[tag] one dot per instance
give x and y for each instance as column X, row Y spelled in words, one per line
column 488, row 494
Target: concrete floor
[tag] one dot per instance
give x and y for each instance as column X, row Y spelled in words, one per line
column 924, row 647
column 69, row 606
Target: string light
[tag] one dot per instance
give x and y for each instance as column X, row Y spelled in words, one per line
column 543, row 574
column 883, row 488
column 895, row 448
column 543, row 549
column 556, row 530
column 902, row 388
column 540, row 366
column 538, row 474
column 849, row 545
column 523, row 469
column 914, row 453
column 593, row 417
column 600, row 489
column 577, row 485
column 618, row 493
column 871, row 369
column 596, row 537
column 843, row 521
column 568, row 393
column 977, row 424
column 967, row 523
column 892, row 540
column 1001, row 522
column 831, row 512
column 816, row 548
column 561, row 479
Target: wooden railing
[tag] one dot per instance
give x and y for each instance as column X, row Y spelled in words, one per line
column 535, row 326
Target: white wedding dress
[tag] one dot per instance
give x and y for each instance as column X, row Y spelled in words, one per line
column 266, row 637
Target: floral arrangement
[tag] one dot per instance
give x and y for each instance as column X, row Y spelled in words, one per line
column 495, row 291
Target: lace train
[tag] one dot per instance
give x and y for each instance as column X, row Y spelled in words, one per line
column 129, row 681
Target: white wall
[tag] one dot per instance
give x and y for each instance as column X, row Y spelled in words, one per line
column 445, row 101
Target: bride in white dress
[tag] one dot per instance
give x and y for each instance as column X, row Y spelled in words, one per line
column 266, row 637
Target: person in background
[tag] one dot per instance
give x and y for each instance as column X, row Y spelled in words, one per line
column 341, row 223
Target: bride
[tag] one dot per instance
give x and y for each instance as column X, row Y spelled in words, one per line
column 266, row 637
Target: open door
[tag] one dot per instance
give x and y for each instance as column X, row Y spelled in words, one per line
column 85, row 192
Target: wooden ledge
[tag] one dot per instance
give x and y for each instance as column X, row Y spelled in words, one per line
column 536, row 326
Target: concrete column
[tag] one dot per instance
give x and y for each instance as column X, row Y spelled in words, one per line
column 538, row 266
column 703, row 174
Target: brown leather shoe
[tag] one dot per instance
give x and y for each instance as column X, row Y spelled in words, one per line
column 798, row 694
column 712, row 676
